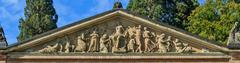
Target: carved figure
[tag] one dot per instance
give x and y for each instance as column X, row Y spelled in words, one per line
column 67, row 46
column 153, row 34
column 81, row 44
column 138, row 36
column 160, row 40
column 131, row 42
column 182, row 47
column 49, row 49
column 167, row 43
column 147, row 41
column 130, row 45
column 130, row 32
column 94, row 42
column 112, row 43
column 117, row 38
column 134, row 39
column 178, row 45
column 103, row 43
column 187, row 48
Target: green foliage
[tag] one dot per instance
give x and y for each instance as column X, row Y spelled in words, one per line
column 214, row 19
column 172, row 12
column 40, row 16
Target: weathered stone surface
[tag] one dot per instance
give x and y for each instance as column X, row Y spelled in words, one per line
column 116, row 36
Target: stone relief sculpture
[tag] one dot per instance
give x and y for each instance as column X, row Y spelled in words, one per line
column 104, row 41
column 131, row 42
column 147, row 41
column 138, row 37
column 93, row 47
column 187, row 48
column 67, row 46
column 49, row 49
column 182, row 47
column 178, row 45
column 118, row 37
column 130, row 45
column 81, row 44
column 167, row 43
column 134, row 39
column 160, row 41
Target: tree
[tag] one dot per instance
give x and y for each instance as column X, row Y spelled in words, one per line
column 172, row 12
column 40, row 17
column 214, row 19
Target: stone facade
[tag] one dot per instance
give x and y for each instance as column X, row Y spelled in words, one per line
column 117, row 36
column 121, row 39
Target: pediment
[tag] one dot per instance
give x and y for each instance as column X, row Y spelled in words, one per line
column 113, row 32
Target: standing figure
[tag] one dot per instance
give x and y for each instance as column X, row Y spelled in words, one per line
column 94, row 42
column 138, row 36
column 131, row 42
column 117, row 35
column 147, row 41
column 167, row 43
column 81, row 45
column 160, row 40
column 103, row 43
column 118, row 39
column 67, row 46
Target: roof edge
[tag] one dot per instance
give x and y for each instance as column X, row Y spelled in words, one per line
column 206, row 41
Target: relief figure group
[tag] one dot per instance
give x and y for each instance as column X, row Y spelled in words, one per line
column 132, row 39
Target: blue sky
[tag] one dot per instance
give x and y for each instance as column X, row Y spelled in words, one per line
column 68, row 11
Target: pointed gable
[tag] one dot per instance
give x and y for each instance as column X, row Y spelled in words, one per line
column 107, row 23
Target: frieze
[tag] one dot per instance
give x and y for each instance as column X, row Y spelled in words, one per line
column 135, row 39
